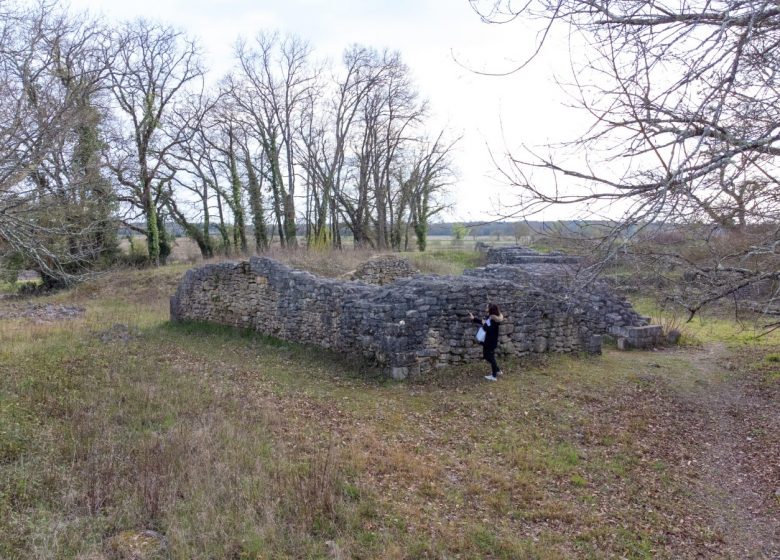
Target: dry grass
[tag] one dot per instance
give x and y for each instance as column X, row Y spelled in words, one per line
column 444, row 257
column 327, row 262
column 233, row 445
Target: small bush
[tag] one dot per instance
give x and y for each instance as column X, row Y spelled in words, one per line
column 313, row 490
column 132, row 260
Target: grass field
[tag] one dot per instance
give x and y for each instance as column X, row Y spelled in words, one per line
column 233, row 445
column 186, row 251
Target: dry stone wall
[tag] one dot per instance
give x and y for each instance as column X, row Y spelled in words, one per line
column 384, row 269
column 518, row 255
column 409, row 326
column 602, row 310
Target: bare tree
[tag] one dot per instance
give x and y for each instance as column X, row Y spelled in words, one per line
column 395, row 112
column 327, row 141
column 194, row 177
column 431, row 172
column 686, row 111
column 101, row 125
column 150, row 66
column 236, row 191
column 55, row 205
column 388, row 119
column 255, row 191
column 277, row 78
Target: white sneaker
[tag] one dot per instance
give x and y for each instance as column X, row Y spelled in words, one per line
column 490, row 378
column 499, row 373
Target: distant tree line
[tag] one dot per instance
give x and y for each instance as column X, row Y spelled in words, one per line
column 108, row 125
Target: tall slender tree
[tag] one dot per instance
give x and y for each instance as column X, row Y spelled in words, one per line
column 150, row 66
column 277, row 77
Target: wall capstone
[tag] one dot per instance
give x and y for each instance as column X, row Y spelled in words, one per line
column 519, row 255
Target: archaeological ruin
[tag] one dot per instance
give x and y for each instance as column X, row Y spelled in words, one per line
column 411, row 325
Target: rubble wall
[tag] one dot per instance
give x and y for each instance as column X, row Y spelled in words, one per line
column 409, row 326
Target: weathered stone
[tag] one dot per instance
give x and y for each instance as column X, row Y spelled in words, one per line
column 593, row 344
column 28, row 276
column 42, row 312
column 540, row 344
column 642, row 336
column 531, row 259
column 384, row 269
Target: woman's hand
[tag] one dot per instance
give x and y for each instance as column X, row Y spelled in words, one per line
column 471, row 316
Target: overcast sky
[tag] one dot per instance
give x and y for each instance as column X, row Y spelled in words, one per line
column 436, row 38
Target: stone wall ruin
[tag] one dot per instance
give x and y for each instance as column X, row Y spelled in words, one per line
column 409, row 326
column 517, row 255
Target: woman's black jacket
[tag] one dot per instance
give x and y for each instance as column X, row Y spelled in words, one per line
column 491, row 332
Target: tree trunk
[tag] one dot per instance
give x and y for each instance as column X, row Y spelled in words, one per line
column 239, row 231
column 256, row 206
column 290, row 229
column 222, row 228
column 152, row 233
column 164, row 240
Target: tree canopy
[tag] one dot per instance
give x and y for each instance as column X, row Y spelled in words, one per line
column 118, row 124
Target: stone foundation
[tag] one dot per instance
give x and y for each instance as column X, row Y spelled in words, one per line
column 409, row 326
column 517, row 255
column 641, row 337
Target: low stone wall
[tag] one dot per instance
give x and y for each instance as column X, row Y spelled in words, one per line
column 517, row 255
column 602, row 310
column 409, row 326
column 384, row 269
column 640, row 337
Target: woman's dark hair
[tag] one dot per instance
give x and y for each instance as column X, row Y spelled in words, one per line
column 494, row 310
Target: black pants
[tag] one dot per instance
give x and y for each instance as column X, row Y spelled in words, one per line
column 489, row 355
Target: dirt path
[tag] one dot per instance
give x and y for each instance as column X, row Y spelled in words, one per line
column 733, row 426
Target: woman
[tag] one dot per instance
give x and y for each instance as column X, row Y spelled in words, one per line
column 490, row 324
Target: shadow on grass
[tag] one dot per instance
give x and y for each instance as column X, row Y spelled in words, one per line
column 339, row 365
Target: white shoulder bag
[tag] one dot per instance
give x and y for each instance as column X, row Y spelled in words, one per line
column 482, row 332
